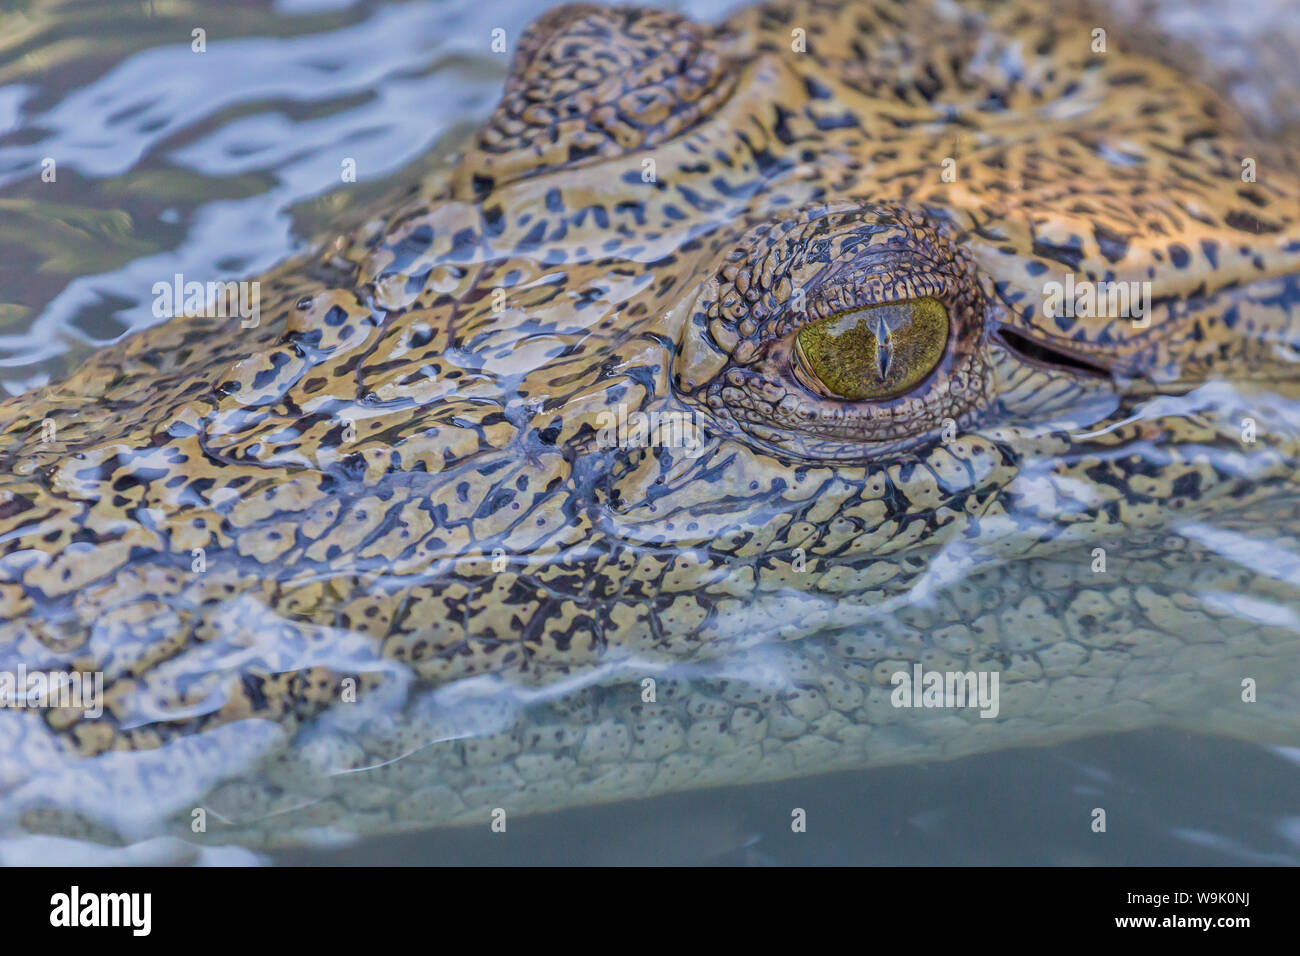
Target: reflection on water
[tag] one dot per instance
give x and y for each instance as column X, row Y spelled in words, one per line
column 214, row 165
column 223, row 165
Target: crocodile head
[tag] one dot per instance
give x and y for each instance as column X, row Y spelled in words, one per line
column 727, row 373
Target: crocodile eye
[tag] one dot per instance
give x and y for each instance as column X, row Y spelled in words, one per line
column 873, row 353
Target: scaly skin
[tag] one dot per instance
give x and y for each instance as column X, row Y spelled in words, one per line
column 398, row 476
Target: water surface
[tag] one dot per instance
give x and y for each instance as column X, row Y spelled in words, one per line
column 222, row 164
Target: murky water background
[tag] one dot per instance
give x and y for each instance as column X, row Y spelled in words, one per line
column 221, row 165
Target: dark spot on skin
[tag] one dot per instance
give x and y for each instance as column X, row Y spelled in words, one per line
column 816, row 89
column 252, row 685
column 409, row 249
column 354, row 466
column 1112, row 245
column 463, row 245
column 1248, row 222
column 1070, row 254
column 1131, row 78
column 532, row 240
column 1210, row 249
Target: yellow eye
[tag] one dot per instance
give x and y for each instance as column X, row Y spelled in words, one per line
column 873, row 353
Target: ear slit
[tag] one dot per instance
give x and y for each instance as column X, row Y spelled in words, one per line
column 1041, row 354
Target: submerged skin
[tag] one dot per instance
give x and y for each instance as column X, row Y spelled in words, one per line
column 398, row 480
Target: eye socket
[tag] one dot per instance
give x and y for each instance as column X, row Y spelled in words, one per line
column 873, row 353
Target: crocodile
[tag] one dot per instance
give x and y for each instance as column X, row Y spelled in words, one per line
column 728, row 372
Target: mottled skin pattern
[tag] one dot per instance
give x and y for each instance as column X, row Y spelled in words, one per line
column 397, row 475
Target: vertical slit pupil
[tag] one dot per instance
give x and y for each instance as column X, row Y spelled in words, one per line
column 884, row 346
